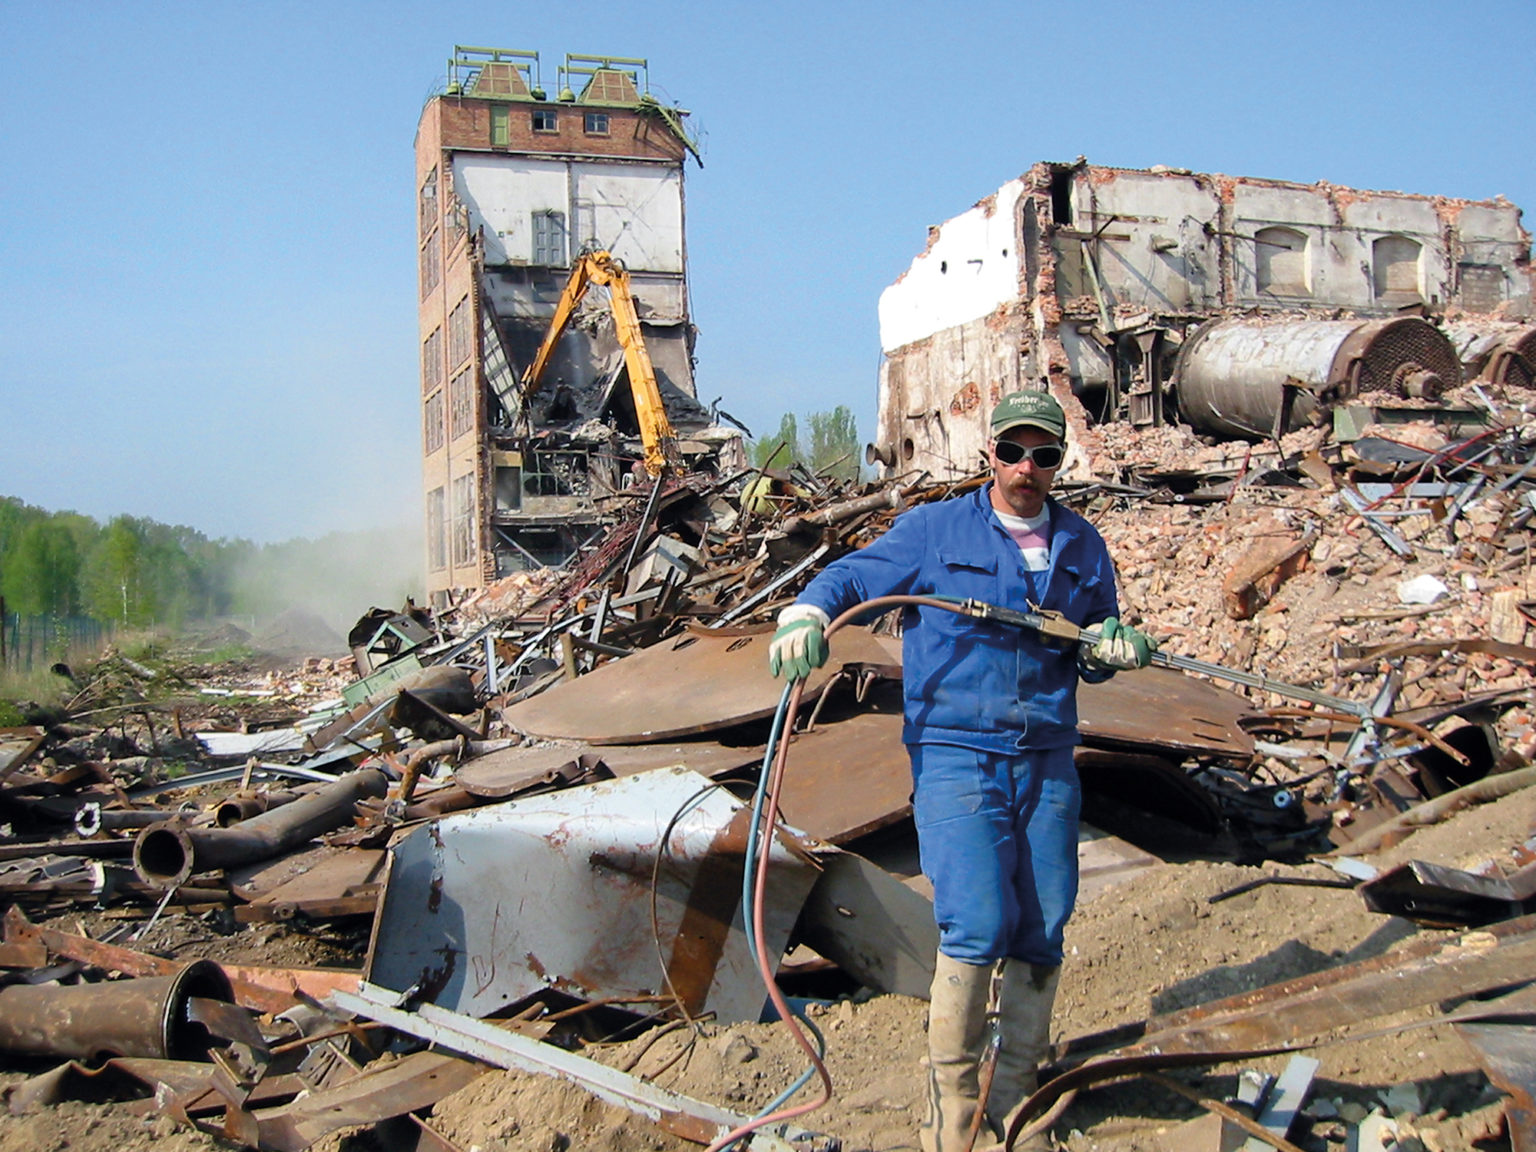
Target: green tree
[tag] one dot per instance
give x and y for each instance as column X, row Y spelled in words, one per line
column 834, row 447
column 831, row 446
column 42, row 571
column 114, row 582
column 782, row 448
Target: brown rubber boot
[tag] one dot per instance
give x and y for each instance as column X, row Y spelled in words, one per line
column 1024, row 1022
column 957, row 1037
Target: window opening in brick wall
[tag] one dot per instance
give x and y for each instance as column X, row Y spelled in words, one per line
column 432, row 360
column 461, row 404
column 437, row 537
column 431, row 264
column 459, row 345
column 432, row 422
column 463, row 521
column 597, row 123
column 1482, row 287
column 549, row 239
column 427, row 202
column 545, row 120
column 501, row 126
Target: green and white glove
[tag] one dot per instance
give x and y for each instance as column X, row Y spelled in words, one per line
column 1120, row 647
column 800, row 644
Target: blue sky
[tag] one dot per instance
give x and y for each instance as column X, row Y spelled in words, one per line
column 208, row 253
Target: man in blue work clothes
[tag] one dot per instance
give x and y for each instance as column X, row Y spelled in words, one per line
column 990, row 724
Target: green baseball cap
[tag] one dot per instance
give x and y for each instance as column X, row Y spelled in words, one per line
column 1033, row 409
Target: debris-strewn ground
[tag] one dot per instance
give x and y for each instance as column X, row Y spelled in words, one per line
column 1254, row 558
column 1151, row 944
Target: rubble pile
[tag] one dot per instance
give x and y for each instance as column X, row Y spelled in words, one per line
column 523, row 824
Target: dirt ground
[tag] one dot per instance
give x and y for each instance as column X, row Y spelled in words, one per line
column 1151, row 944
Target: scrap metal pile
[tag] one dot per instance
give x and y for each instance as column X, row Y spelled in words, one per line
column 537, row 804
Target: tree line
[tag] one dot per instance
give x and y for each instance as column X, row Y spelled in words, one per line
column 828, row 445
column 136, row 572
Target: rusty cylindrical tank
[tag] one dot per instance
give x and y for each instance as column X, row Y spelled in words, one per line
column 1495, row 352
column 1253, row 377
column 145, row 1017
column 166, row 854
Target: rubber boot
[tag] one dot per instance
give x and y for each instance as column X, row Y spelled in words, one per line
column 957, row 1037
column 1024, row 1022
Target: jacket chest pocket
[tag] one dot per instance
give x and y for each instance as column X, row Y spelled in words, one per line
column 966, row 575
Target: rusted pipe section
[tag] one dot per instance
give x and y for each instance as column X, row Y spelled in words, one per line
column 465, row 749
column 91, row 819
column 246, row 805
column 167, row 854
column 148, row 1017
column 847, row 510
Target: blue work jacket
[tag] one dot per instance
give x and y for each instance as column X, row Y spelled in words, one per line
column 982, row 685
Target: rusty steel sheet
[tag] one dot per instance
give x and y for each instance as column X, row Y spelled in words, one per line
column 627, row 889
column 337, row 878
column 502, row 774
column 265, row 989
column 1301, row 1012
column 1507, row 1053
column 844, row 780
column 1159, row 708
column 701, row 681
column 417, row 1080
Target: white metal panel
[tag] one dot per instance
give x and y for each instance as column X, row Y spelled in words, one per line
column 970, row 269
column 633, row 210
column 502, row 193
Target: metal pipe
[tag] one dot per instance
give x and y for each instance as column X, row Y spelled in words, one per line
column 847, row 510
column 168, row 853
column 147, row 1017
column 91, row 818
column 248, row 805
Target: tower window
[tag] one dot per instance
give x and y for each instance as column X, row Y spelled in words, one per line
column 545, row 120
column 597, row 123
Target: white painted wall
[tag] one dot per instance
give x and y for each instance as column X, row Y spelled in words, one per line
column 970, row 270
column 636, row 212
column 633, row 210
column 502, row 193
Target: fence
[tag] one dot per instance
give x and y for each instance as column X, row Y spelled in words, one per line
column 28, row 642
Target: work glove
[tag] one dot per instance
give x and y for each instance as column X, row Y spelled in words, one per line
column 1120, row 647
column 800, row 644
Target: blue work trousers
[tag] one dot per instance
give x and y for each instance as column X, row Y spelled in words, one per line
column 998, row 839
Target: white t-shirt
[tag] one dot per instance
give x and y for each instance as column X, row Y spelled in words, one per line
column 1032, row 535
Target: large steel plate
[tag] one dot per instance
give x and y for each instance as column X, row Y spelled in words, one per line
column 501, row 774
column 701, row 681
column 626, row 889
column 1160, row 708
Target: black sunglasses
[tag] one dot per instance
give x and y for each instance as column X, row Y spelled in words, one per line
column 1011, row 452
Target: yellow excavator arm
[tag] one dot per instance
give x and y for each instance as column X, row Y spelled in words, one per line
column 660, row 442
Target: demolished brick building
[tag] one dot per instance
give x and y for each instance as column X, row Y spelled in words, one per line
column 1237, row 305
column 512, row 187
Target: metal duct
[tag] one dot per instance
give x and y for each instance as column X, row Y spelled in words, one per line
column 1256, row 378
